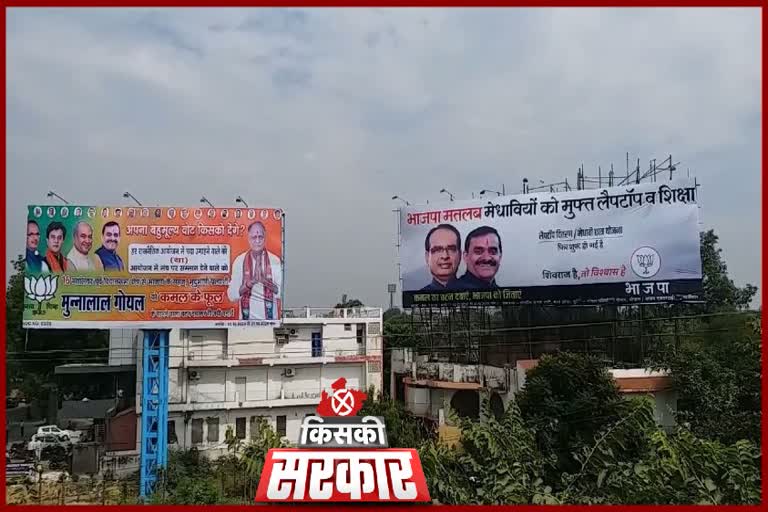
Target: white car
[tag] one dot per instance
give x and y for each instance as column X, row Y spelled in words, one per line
column 68, row 435
column 41, row 441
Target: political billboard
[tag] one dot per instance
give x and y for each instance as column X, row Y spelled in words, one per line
column 101, row 267
column 621, row 245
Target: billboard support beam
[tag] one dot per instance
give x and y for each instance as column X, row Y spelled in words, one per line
column 154, row 409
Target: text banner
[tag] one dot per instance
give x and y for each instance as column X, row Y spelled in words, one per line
column 135, row 267
column 620, row 245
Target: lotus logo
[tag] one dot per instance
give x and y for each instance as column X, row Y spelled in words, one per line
column 41, row 288
column 646, row 262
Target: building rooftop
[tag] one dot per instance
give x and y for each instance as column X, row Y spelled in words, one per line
column 332, row 313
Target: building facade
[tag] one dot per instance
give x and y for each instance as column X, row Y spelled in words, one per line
column 430, row 389
column 222, row 379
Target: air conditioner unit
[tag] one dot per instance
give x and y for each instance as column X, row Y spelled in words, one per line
column 194, row 375
column 289, row 372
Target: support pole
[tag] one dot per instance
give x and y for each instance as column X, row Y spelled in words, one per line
column 154, row 409
column 282, row 292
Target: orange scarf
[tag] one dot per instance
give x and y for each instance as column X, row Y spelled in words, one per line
column 56, row 261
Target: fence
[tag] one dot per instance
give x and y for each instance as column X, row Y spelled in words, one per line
column 71, row 490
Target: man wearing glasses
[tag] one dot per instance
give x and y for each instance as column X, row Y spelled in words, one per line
column 35, row 262
column 443, row 255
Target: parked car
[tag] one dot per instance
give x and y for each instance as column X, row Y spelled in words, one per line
column 43, row 441
column 71, row 435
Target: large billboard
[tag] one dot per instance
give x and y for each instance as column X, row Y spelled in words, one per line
column 152, row 268
column 620, row 245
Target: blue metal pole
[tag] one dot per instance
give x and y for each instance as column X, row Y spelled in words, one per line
column 154, row 409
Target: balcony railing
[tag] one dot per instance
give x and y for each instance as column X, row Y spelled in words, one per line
column 362, row 312
column 210, row 355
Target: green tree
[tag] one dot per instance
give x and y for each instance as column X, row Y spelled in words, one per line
column 32, row 354
column 497, row 463
column 567, row 398
column 399, row 330
column 715, row 368
column 717, row 377
column 404, row 430
column 720, row 292
column 670, row 468
column 349, row 303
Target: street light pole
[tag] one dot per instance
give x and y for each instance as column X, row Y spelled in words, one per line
column 239, row 199
column 204, row 200
column 443, row 191
column 401, row 199
column 51, row 193
column 128, row 194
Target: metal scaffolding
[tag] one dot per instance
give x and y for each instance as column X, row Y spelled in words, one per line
column 154, row 409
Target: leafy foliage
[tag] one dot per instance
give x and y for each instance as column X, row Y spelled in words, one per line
column 629, row 460
column 720, row 292
column 192, row 479
column 674, row 469
column 403, row 429
column 567, row 398
column 717, row 377
column 26, row 370
column 349, row 303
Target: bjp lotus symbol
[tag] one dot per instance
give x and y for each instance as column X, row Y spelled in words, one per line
column 645, row 262
column 41, row 288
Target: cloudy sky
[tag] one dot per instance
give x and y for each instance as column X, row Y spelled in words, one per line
column 329, row 113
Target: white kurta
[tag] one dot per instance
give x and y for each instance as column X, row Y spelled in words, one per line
column 79, row 261
column 257, row 309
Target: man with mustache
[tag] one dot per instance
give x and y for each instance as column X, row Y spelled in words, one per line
column 79, row 258
column 442, row 254
column 54, row 236
column 107, row 253
column 482, row 255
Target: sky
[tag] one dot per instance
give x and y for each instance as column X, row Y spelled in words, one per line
column 328, row 113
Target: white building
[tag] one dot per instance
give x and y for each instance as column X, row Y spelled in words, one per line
column 226, row 378
column 429, row 389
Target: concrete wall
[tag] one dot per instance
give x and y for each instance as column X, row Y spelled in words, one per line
column 216, row 385
column 71, row 409
column 123, row 344
column 293, row 418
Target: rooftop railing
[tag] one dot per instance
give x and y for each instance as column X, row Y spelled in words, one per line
column 361, row 312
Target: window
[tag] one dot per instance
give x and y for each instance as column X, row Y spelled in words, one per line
column 240, row 428
column 256, row 424
column 281, row 424
column 240, row 383
column 213, row 430
column 172, row 439
column 317, row 344
column 197, row 431
column 347, row 327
